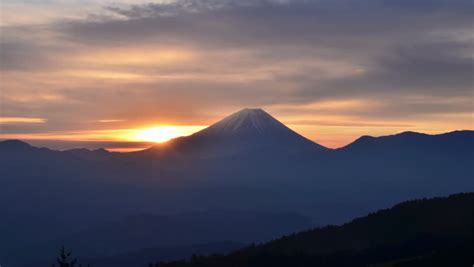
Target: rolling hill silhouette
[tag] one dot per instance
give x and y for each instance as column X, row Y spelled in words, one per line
column 434, row 232
column 460, row 142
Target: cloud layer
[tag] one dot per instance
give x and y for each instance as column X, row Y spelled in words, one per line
column 191, row 61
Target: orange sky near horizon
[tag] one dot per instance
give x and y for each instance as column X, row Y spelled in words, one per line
column 332, row 132
column 141, row 72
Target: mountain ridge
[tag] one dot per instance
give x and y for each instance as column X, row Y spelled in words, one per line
column 457, row 137
column 18, row 144
column 252, row 127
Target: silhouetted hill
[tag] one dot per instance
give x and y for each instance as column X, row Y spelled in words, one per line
column 414, row 232
column 461, row 142
column 14, row 145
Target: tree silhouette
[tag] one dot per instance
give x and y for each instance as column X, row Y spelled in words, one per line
column 64, row 259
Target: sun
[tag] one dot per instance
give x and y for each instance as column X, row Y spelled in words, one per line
column 162, row 134
column 157, row 134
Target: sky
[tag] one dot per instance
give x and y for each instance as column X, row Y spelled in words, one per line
column 124, row 74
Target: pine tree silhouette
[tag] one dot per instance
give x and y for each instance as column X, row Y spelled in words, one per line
column 64, row 259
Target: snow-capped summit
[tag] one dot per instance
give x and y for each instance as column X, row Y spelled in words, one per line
column 252, row 121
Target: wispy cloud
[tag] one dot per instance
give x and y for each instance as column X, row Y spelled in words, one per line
column 327, row 62
column 16, row 120
column 110, row 120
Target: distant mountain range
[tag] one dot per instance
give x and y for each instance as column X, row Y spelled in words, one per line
column 247, row 162
column 434, row 232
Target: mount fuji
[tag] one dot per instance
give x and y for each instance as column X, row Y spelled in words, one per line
column 247, row 131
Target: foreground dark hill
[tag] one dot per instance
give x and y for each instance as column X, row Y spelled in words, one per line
column 248, row 161
column 434, row 232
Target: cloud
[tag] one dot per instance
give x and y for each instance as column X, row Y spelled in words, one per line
column 17, row 120
column 110, row 120
column 192, row 61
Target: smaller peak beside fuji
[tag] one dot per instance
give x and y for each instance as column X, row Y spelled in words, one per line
column 14, row 145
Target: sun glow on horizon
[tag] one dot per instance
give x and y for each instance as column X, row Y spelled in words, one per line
column 162, row 134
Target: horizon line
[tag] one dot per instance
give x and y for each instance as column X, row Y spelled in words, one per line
column 127, row 148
